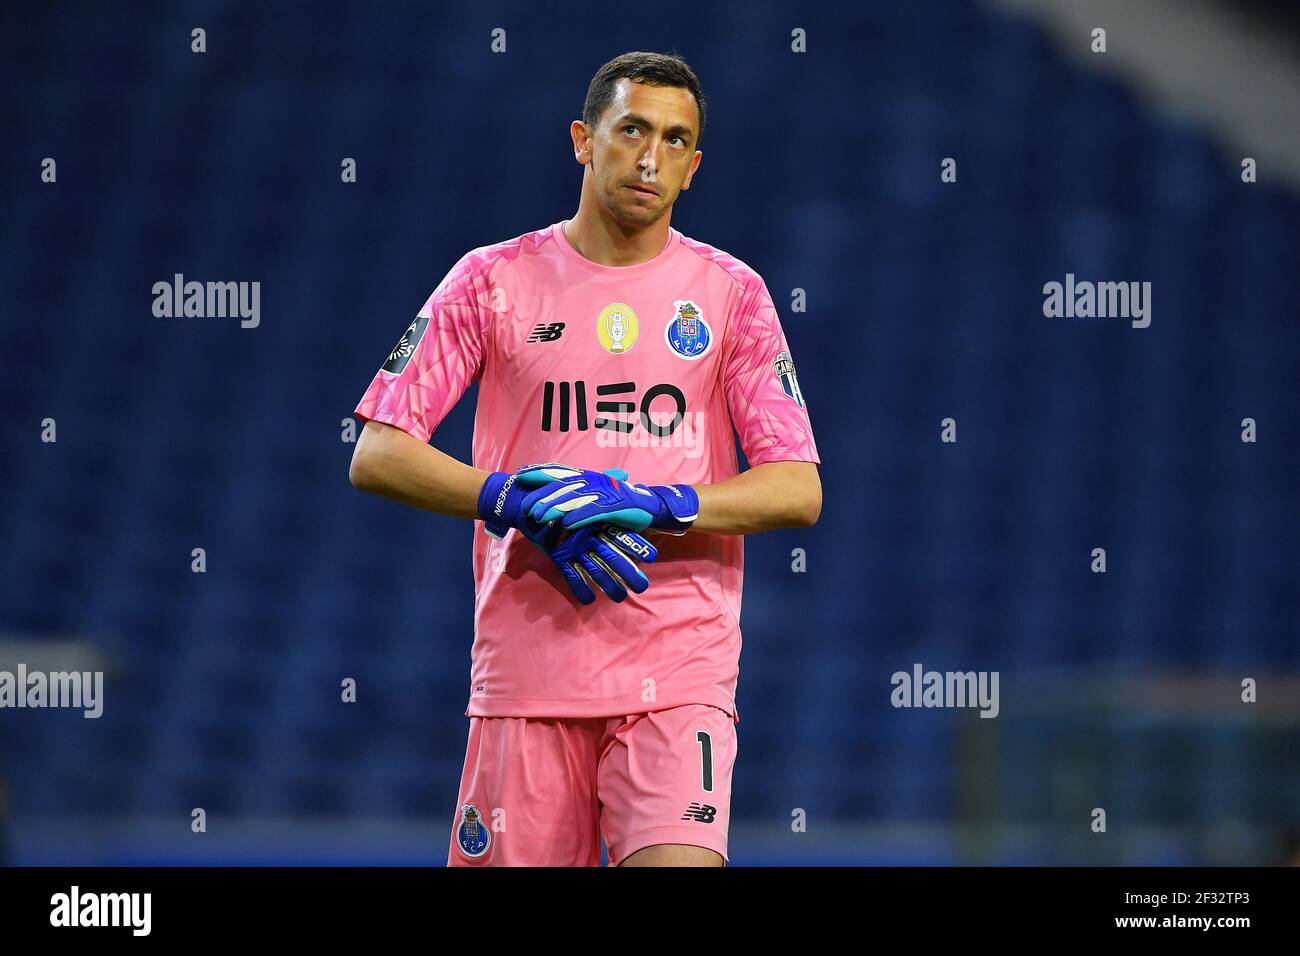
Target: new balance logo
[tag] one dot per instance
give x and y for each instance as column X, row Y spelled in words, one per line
column 700, row 813
column 547, row 333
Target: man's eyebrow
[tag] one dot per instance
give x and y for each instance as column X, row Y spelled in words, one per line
column 684, row 131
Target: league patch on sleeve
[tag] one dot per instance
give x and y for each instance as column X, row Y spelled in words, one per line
column 784, row 366
column 404, row 349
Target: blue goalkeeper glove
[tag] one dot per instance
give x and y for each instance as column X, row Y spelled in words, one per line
column 500, row 500
column 579, row 497
column 603, row 554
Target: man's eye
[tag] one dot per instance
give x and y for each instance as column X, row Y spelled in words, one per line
column 626, row 128
column 680, row 140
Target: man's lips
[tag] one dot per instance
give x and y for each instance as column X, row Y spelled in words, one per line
column 643, row 190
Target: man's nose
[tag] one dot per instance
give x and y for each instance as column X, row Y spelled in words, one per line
column 649, row 165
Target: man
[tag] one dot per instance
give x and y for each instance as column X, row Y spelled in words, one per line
column 606, row 345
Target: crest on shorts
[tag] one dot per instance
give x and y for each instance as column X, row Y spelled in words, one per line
column 688, row 334
column 472, row 835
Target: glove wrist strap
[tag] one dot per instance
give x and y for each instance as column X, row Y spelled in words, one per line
column 681, row 506
column 493, row 500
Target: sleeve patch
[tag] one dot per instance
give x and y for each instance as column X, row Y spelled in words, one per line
column 404, row 349
column 784, row 368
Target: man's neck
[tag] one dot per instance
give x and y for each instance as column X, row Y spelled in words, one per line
column 609, row 243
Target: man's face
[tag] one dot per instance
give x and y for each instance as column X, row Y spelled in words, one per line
column 642, row 151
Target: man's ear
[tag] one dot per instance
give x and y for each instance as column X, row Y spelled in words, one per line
column 580, row 133
column 695, row 164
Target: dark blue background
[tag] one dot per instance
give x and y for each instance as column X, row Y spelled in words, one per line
column 821, row 170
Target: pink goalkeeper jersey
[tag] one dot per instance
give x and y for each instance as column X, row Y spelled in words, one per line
column 641, row 367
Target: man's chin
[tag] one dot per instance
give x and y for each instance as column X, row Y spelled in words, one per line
column 639, row 215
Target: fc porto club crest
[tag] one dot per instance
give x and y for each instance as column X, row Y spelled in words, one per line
column 617, row 328
column 688, row 334
column 472, row 836
column 784, row 367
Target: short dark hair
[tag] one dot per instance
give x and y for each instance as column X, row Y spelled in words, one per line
column 655, row 69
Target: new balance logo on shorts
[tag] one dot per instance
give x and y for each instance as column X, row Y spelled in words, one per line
column 700, row 813
column 547, row 333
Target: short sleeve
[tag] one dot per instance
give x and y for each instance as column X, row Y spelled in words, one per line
column 436, row 360
column 763, row 395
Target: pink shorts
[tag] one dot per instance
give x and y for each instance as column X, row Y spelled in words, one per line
column 542, row 792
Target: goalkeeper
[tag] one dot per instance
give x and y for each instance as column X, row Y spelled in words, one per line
column 614, row 357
